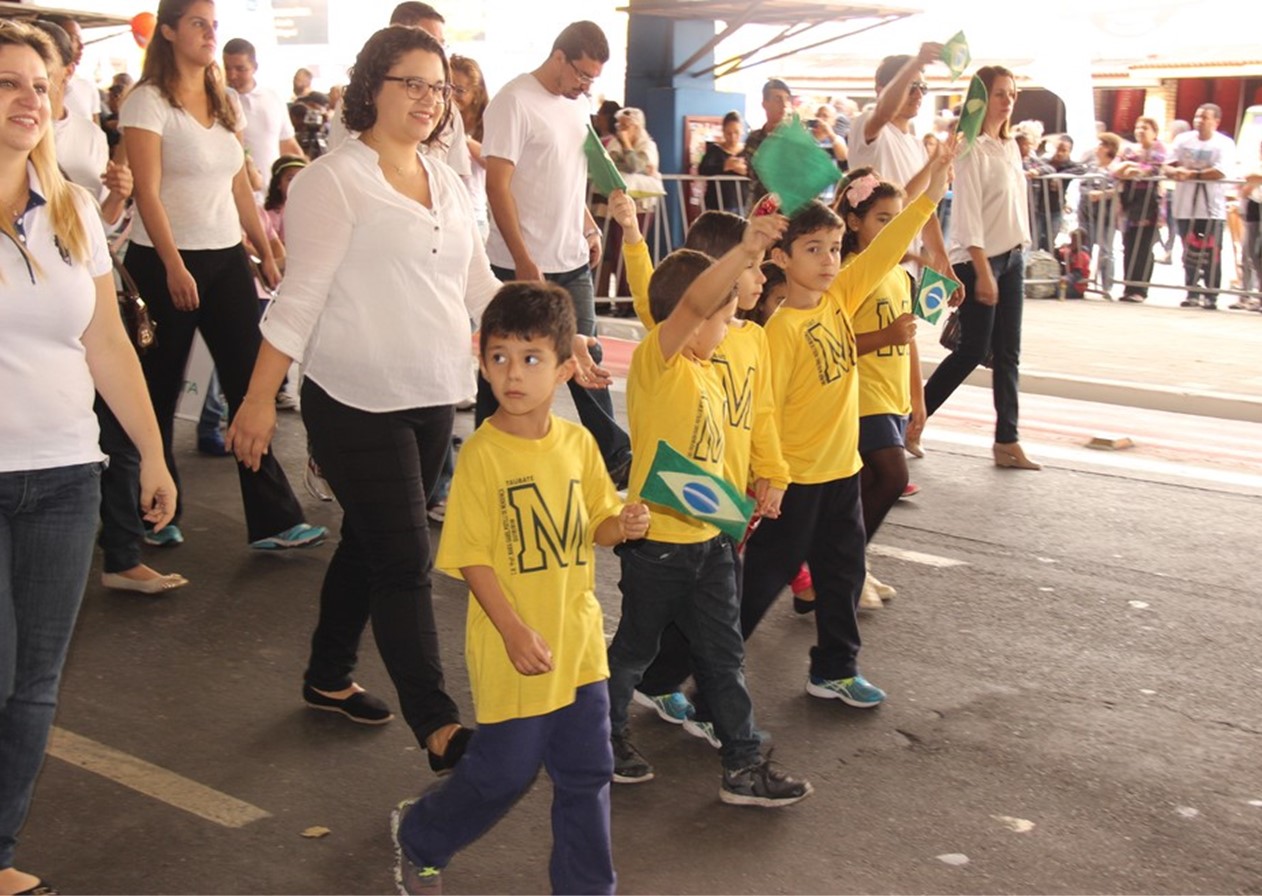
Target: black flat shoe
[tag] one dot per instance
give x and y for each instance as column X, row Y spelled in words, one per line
column 443, row 765
column 802, row 607
column 360, row 706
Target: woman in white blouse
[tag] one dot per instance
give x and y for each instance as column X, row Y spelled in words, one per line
column 386, row 270
column 194, row 199
column 61, row 340
column 990, row 230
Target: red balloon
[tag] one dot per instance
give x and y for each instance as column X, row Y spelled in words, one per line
column 142, row 25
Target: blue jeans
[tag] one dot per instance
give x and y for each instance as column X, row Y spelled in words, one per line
column 213, row 410
column 595, row 407
column 693, row 586
column 122, row 529
column 47, row 520
column 995, row 326
column 502, row 762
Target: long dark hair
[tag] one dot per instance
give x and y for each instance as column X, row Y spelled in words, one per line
column 380, row 52
column 275, row 199
column 161, row 71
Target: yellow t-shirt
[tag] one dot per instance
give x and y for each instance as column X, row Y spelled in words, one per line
column 529, row 509
column 680, row 402
column 885, row 374
column 814, row 360
column 744, row 362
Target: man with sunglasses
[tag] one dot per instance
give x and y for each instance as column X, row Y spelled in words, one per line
column 536, row 186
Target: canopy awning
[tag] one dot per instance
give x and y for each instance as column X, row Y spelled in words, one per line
column 12, row 10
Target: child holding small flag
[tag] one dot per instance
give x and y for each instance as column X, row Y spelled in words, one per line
column 529, row 498
column 684, row 573
column 815, row 379
column 890, row 386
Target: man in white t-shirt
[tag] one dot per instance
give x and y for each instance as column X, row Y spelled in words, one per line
column 451, row 145
column 536, row 185
column 883, row 138
column 82, row 97
column 1199, row 160
column 269, row 134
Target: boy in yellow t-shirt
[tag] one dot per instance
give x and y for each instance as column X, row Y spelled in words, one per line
column 815, row 379
column 683, row 573
column 529, row 499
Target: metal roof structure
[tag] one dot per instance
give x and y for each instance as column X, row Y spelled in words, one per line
column 12, row 10
column 796, row 17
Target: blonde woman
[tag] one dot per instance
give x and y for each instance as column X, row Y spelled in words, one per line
column 61, row 340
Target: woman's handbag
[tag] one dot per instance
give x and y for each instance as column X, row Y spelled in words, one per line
column 135, row 313
column 950, row 336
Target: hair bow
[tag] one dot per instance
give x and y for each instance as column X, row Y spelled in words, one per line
column 861, row 188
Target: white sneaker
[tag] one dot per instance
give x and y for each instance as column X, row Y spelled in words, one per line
column 869, row 599
column 883, row 591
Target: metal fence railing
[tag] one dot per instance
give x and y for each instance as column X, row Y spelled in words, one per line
column 1057, row 207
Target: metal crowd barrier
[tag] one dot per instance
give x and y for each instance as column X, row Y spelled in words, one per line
column 686, row 194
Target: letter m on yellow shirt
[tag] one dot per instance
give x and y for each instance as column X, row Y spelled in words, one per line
column 546, row 536
column 833, row 356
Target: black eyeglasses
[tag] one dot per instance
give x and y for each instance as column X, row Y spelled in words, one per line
column 459, row 91
column 583, row 78
column 919, row 86
column 418, row 88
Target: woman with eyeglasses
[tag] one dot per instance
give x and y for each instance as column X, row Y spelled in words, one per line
column 60, row 339
column 186, row 256
column 386, row 270
column 990, row 230
column 468, row 92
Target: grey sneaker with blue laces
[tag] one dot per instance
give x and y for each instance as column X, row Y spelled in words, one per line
column 855, row 691
column 673, row 707
column 703, row 730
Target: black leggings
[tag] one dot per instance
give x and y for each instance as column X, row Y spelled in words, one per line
column 228, row 319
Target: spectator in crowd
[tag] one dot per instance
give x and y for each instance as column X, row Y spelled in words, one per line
column 989, row 232
column 186, row 255
column 468, row 92
column 777, row 103
column 883, row 138
column 536, row 185
column 62, row 339
column 1177, row 127
column 1251, row 248
column 1075, row 265
column 1199, row 160
column 109, row 115
column 1097, row 208
column 822, row 130
column 385, row 350
column 634, row 154
column 845, row 110
column 1137, row 170
column 1062, row 162
column 302, row 83
column 726, row 156
column 309, row 118
column 268, row 133
column 1029, row 134
column 603, row 121
column 82, row 97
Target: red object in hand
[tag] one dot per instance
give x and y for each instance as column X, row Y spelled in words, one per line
column 768, row 205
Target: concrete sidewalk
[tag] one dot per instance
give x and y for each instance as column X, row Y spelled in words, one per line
column 1184, row 360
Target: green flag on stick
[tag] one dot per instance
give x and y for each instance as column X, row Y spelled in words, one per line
column 678, row 483
column 600, row 168
column 792, row 165
column 932, row 293
column 973, row 112
column 955, row 54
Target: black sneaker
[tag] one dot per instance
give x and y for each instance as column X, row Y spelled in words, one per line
column 629, row 767
column 762, row 784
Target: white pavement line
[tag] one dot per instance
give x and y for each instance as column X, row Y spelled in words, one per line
column 152, row 780
column 884, row 550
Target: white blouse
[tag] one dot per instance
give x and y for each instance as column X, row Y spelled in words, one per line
column 379, row 290
column 989, row 206
column 46, row 389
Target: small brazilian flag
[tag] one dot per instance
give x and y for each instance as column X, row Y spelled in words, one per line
column 678, row 483
column 955, row 54
column 973, row 112
column 932, row 293
column 600, row 168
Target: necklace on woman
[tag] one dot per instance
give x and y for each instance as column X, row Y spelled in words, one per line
column 18, row 208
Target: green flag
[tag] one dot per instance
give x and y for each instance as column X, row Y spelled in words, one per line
column 973, row 112
column 932, row 293
column 676, row 482
column 955, row 54
column 600, row 168
column 791, row 164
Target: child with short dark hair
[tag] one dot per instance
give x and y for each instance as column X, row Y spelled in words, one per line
column 1075, row 265
column 774, row 290
column 529, row 499
column 684, row 573
column 814, row 372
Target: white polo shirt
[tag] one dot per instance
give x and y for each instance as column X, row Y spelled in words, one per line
column 542, row 134
column 46, row 389
column 266, row 124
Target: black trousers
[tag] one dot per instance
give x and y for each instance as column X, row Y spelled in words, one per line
column 381, row 466
column 228, row 319
column 1137, row 250
column 122, row 529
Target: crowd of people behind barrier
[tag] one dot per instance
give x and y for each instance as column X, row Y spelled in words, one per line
column 416, row 180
